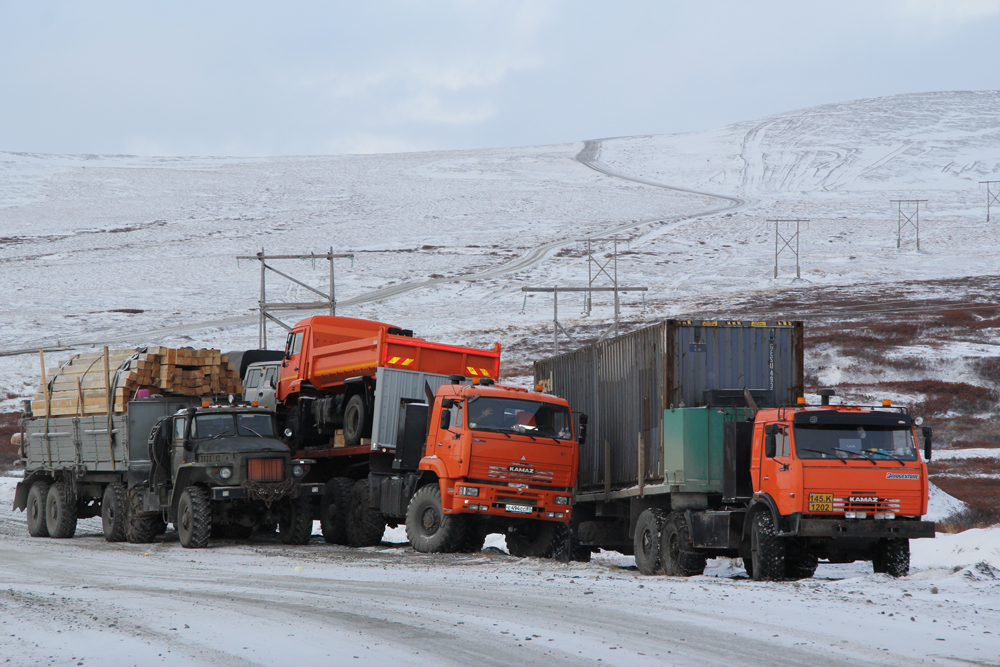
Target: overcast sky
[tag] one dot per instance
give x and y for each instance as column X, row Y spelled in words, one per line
column 294, row 78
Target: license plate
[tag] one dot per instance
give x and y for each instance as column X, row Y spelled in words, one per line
column 820, row 502
column 520, row 509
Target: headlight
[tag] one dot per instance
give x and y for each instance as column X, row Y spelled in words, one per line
column 468, row 490
column 562, row 500
column 298, row 471
column 288, row 432
column 226, row 473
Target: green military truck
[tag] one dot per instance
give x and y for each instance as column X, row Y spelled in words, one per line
column 208, row 469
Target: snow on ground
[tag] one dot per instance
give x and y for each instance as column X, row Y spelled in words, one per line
column 85, row 601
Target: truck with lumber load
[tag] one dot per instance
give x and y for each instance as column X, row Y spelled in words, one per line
column 702, row 445
column 150, row 458
column 402, row 429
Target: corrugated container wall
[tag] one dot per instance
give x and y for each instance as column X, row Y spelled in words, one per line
column 624, row 385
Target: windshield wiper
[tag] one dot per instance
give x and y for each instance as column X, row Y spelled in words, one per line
column 490, row 430
column 882, row 452
column 818, row 451
column 247, row 428
column 848, row 451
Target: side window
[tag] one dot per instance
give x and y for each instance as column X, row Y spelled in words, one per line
column 296, row 343
column 783, row 443
column 253, row 378
column 269, row 377
column 179, row 428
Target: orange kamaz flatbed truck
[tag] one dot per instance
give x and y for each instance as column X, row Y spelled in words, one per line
column 402, row 429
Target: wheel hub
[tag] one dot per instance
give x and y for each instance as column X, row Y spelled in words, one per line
column 429, row 520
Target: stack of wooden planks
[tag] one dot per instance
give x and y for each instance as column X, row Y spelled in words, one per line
column 80, row 386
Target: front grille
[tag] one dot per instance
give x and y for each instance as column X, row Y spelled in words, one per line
column 504, row 473
column 266, row 470
column 882, row 505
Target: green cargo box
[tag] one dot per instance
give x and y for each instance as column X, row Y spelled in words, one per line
column 692, row 447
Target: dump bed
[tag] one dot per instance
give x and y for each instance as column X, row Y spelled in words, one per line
column 341, row 348
column 627, row 383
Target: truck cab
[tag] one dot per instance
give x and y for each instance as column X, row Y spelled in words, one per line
column 494, row 459
column 838, row 482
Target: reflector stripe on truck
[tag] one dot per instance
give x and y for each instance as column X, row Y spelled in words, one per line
column 401, row 361
column 338, row 369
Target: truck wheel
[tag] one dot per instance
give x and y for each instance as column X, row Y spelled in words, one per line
column 36, row 509
column 677, row 556
column 892, row 557
column 141, row 528
column 334, row 509
column 296, row 524
column 355, row 420
column 428, row 528
column 60, row 510
column 534, row 539
column 194, row 518
column 799, row 563
column 113, row 512
column 365, row 526
column 767, row 550
column 647, row 541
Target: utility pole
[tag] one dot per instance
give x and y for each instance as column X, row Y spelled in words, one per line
column 266, row 309
column 609, row 268
column 992, row 195
column 911, row 219
column 557, row 326
column 786, row 243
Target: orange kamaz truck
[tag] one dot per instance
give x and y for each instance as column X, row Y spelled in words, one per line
column 405, row 430
column 702, row 446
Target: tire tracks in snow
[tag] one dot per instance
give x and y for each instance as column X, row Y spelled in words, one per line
column 588, row 156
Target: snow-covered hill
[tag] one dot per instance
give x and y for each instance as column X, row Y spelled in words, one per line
column 85, row 241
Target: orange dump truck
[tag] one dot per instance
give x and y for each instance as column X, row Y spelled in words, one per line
column 406, row 430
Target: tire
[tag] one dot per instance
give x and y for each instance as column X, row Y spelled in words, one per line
column 365, row 526
column 355, row 420
column 113, row 512
column 60, row 511
column 428, row 528
column 335, row 508
column 564, row 546
column 799, row 563
column 767, row 550
column 892, row 557
column 141, row 528
column 35, row 511
column 296, row 523
column 533, row 539
column 194, row 518
column 677, row 557
column 647, row 541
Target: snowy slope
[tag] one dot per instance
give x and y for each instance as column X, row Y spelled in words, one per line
column 84, row 237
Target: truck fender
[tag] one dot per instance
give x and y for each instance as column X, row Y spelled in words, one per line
column 184, row 479
column 435, row 465
column 21, row 493
column 761, row 502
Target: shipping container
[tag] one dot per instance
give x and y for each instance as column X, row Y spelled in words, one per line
column 625, row 384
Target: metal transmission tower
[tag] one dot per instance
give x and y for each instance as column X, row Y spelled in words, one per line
column 602, row 268
column 557, row 326
column 266, row 308
column 786, row 243
column 992, row 196
column 911, row 219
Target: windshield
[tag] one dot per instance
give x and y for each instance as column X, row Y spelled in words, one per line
column 219, row 426
column 533, row 418
column 840, row 442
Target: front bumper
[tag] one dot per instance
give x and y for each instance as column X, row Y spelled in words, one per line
column 864, row 528
column 504, row 501
column 240, row 493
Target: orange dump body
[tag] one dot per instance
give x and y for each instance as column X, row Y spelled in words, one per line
column 326, row 351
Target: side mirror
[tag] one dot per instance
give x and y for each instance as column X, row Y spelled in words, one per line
column 445, row 417
column 770, row 445
column 926, row 430
column 582, row 439
column 583, row 419
column 771, row 429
